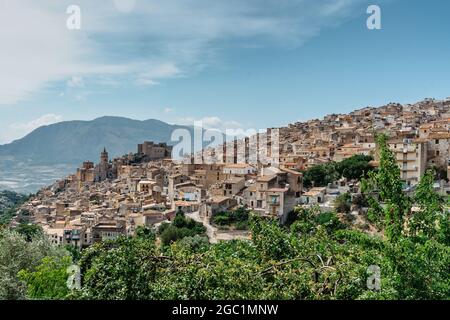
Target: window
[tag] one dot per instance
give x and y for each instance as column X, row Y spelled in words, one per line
column 274, row 200
column 437, row 141
column 438, row 153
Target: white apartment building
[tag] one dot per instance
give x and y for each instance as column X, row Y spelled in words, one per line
column 411, row 157
column 238, row 169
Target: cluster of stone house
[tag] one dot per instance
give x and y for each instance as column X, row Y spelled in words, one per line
column 115, row 197
column 419, row 134
column 83, row 209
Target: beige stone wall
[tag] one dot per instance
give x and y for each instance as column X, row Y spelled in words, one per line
column 438, row 153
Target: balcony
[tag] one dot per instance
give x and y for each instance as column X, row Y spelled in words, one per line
column 274, row 201
column 409, row 169
column 409, row 149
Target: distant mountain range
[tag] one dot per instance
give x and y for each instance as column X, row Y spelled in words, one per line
column 73, row 142
column 54, row 151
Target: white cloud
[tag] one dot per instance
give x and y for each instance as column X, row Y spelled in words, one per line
column 212, row 122
column 154, row 73
column 82, row 96
column 168, row 110
column 37, row 49
column 75, row 82
column 125, row 6
column 145, row 82
column 28, row 58
column 148, row 41
column 19, row 130
column 36, row 123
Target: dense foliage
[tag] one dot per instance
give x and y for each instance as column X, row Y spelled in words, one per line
column 49, row 279
column 343, row 203
column 10, row 198
column 355, row 167
column 17, row 254
column 9, row 203
column 315, row 259
column 320, row 175
column 238, row 218
column 29, row 231
column 180, row 228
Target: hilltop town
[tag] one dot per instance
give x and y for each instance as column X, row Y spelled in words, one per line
column 146, row 188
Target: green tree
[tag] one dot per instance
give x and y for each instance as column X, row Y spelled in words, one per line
column 10, row 203
column 75, row 252
column 386, row 183
column 29, row 230
column 416, row 254
column 330, row 221
column 121, row 269
column 145, row 233
column 180, row 220
column 320, row 175
column 431, row 220
column 196, row 243
column 16, row 254
column 180, row 228
column 238, row 218
column 316, row 261
column 303, row 223
column 419, row 270
column 48, row 281
column 355, row 167
column 343, row 203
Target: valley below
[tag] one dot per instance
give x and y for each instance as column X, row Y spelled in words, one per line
column 25, row 177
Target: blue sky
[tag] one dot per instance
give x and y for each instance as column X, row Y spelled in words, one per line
column 249, row 64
